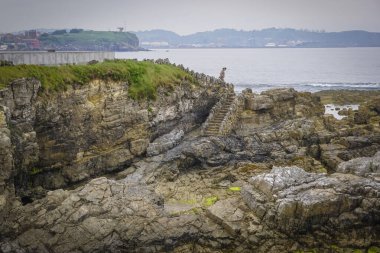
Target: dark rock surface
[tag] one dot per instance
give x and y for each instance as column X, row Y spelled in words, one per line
column 257, row 189
column 136, row 215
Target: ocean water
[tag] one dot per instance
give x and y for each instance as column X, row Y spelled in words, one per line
column 305, row 69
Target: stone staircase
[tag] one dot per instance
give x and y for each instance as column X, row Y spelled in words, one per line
column 220, row 111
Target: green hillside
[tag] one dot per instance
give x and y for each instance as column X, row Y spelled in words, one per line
column 91, row 40
column 143, row 77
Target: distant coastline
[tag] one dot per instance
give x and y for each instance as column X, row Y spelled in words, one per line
column 266, row 38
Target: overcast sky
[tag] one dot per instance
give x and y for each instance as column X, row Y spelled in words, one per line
column 189, row 16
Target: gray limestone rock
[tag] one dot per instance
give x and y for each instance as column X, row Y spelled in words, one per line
column 165, row 142
column 295, row 201
column 361, row 166
column 280, row 94
column 228, row 214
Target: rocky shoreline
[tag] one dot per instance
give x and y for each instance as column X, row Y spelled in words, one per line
column 89, row 169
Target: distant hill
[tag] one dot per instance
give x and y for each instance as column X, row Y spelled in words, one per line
column 90, row 40
column 271, row 37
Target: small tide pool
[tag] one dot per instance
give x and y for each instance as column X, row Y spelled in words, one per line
column 335, row 109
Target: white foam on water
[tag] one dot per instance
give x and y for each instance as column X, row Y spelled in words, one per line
column 335, row 109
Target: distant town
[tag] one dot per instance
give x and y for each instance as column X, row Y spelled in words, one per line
column 29, row 40
column 69, row 40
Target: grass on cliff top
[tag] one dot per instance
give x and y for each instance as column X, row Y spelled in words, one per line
column 143, row 77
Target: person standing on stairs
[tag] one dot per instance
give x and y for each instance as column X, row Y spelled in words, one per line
column 222, row 74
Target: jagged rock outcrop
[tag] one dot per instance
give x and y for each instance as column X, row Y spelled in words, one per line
column 62, row 138
column 363, row 166
column 6, row 167
column 165, row 142
column 18, row 119
column 286, row 208
column 173, row 189
column 345, row 139
column 272, row 106
column 287, row 142
column 296, row 202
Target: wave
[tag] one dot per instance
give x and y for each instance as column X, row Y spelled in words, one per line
column 312, row 87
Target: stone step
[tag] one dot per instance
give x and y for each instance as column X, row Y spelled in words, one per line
column 213, row 129
column 215, row 122
column 212, row 133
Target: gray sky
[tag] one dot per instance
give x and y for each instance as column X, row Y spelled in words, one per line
column 188, row 16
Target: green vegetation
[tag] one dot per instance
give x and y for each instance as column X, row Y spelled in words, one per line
column 374, row 249
column 235, row 188
column 210, row 201
column 59, row 32
column 143, row 77
column 35, row 171
column 306, row 251
column 85, row 39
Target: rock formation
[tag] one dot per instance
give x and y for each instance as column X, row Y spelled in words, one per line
column 89, row 169
column 64, row 138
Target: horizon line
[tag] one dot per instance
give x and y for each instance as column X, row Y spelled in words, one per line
column 180, row 34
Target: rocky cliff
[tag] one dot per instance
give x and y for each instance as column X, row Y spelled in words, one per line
column 282, row 176
column 62, row 138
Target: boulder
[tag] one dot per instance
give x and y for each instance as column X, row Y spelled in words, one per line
column 228, row 214
column 361, row 166
column 294, row 201
column 165, row 142
column 282, row 94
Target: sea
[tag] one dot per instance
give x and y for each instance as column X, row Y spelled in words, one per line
column 304, row 69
